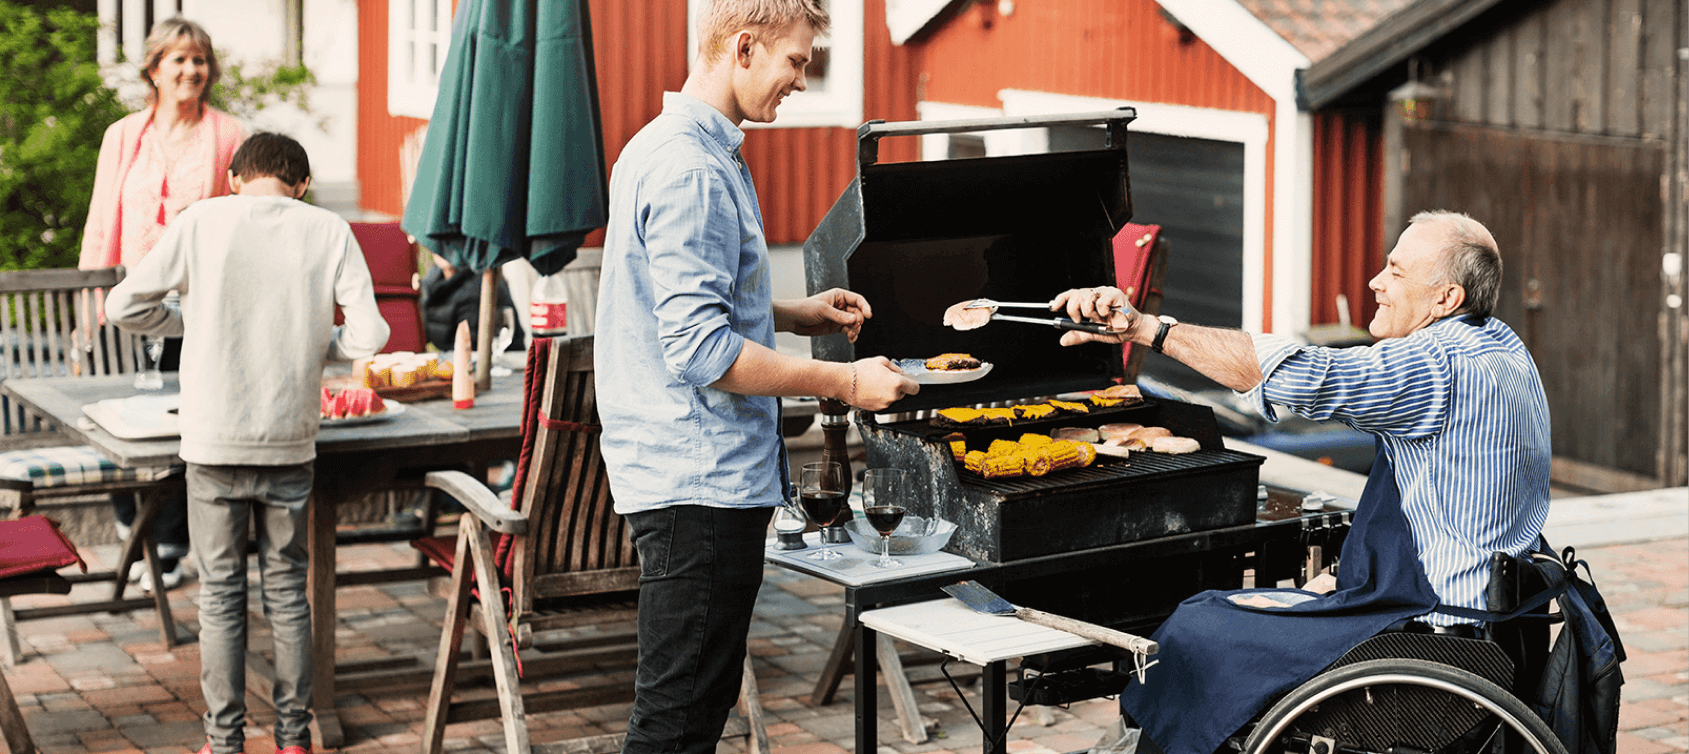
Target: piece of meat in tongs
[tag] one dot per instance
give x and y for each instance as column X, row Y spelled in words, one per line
column 974, row 314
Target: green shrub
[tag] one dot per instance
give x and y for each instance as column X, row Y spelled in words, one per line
column 54, row 109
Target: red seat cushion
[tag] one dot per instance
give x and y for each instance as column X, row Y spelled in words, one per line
column 34, row 543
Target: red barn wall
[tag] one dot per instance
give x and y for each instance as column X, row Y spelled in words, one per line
column 640, row 52
column 1348, row 205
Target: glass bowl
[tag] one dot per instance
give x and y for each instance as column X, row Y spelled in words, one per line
column 905, row 540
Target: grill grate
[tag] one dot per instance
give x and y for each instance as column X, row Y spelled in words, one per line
column 1141, row 466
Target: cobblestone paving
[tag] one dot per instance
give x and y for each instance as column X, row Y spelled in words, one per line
column 105, row 683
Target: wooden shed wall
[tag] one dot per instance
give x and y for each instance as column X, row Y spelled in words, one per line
column 640, row 52
column 1599, row 67
column 1595, row 90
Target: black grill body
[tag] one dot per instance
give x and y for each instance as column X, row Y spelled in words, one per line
column 915, row 238
column 1111, row 502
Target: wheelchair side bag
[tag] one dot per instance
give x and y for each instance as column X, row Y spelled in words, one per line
column 1578, row 694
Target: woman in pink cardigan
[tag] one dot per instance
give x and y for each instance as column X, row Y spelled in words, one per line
column 161, row 159
column 154, row 163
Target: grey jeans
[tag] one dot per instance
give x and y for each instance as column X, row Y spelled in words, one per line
column 222, row 502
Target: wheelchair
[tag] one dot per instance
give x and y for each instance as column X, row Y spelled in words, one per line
column 1410, row 690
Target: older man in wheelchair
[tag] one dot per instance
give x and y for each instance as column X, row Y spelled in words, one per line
column 1414, row 633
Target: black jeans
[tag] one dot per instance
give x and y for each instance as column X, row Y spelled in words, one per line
column 700, row 571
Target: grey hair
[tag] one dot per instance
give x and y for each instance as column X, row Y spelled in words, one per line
column 1471, row 259
column 723, row 18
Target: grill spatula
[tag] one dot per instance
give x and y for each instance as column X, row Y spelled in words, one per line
column 982, row 600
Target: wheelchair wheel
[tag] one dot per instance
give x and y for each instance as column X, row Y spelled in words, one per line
column 1400, row 707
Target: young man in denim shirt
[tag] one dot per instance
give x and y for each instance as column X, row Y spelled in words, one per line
column 687, row 373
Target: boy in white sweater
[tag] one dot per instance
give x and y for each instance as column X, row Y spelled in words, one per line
column 259, row 274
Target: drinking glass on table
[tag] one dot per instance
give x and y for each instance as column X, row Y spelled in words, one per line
column 821, row 492
column 501, row 341
column 151, row 377
column 882, row 503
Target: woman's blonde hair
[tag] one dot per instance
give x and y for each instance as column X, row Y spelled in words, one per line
column 723, row 18
column 164, row 37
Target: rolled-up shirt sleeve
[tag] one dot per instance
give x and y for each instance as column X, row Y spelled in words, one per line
column 1397, row 386
column 692, row 262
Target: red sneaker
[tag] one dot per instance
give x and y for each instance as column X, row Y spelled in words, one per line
column 206, row 749
column 294, row 750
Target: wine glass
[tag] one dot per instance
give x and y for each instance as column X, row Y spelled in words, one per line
column 882, row 502
column 150, row 377
column 821, row 492
column 501, row 341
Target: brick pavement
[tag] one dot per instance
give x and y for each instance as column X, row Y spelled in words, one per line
column 105, row 683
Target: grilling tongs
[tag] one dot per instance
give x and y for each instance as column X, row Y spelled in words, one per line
column 970, row 315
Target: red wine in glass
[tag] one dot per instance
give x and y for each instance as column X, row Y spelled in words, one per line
column 884, row 518
column 822, row 506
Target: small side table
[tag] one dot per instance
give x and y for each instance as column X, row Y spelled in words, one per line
column 948, row 626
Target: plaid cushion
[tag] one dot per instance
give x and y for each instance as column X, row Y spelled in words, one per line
column 71, row 465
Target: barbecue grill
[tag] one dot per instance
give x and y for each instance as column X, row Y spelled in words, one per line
column 914, row 238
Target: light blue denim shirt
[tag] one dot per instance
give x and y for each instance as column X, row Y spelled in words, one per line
column 685, row 284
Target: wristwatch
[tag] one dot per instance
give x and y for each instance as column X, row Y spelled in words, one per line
column 1167, row 324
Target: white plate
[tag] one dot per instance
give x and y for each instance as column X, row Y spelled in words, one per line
column 394, row 408
column 916, row 369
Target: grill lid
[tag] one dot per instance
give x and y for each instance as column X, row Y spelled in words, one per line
column 914, row 238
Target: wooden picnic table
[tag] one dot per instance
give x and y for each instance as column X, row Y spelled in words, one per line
column 351, row 461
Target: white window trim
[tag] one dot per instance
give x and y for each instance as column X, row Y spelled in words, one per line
column 1249, row 129
column 404, row 96
column 842, row 107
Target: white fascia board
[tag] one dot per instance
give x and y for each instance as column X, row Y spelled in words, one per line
column 937, row 146
column 1252, row 47
column 1249, row 129
column 906, row 17
column 1293, row 213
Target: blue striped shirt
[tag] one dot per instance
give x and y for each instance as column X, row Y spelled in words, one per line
column 1460, row 408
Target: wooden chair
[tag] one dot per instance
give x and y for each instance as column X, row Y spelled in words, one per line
column 50, row 326
column 563, row 556
column 392, row 259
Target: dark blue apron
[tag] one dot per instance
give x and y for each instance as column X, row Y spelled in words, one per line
column 1220, row 663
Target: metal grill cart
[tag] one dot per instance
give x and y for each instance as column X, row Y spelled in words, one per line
column 1119, row 543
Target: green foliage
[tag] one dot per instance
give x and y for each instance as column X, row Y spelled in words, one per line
column 54, row 110
column 244, row 90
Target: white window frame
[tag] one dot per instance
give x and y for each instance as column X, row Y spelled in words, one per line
column 410, row 91
column 842, row 105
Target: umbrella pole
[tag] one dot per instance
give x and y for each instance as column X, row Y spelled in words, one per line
column 484, row 338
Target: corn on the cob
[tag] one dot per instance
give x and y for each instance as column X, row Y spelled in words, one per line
column 1033, row 439
column 1002, row 448
column 1087, row 453
column 1067, row 455
column 974, row 461
column 1002, row 466
column 1038, row 461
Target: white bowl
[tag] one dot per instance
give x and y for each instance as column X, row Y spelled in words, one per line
column 905, row 540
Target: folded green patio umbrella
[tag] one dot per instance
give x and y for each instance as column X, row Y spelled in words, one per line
column 513, row 163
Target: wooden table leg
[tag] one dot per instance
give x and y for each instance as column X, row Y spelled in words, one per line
column 902, row 695
column 11, row 722
column 320, row 591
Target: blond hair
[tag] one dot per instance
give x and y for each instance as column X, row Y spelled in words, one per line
column 724, row 18
column 164, row 38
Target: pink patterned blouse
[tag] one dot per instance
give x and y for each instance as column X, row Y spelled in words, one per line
column 158, row 187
